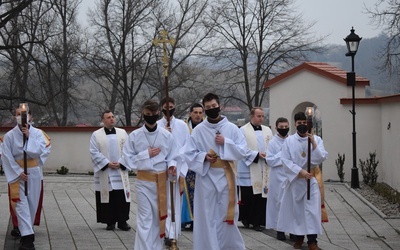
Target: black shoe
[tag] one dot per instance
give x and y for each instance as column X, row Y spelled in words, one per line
column 124, row 226
column 245, row 224
column 15, row 232
column 27, row 242
column 167, row 242
column 280, row 235
column 258, row 228
column 110, row 227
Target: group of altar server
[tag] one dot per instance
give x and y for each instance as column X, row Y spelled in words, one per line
column 216, row 170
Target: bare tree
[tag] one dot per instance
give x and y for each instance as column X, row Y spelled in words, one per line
column 127, row 66
column 258, row 39
column 386, row 14
column 10, row 10
column 120, row 51
column 20, row 38
column 189, row 26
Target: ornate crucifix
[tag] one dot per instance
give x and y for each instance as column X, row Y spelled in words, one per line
column 164, row 40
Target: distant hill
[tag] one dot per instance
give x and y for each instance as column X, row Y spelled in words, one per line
column 366, row 62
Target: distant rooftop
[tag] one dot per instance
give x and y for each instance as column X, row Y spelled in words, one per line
column 320, row 68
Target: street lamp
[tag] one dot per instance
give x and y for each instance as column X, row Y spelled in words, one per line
column 352, row 42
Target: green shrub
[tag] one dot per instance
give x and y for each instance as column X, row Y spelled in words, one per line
column 63, row 170
column 90, row 173
column 339, row 165
column 131, row 173
column 368, row 169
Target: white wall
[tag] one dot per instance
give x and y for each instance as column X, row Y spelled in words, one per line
column 69, row 149
column 305, row 87
column 390, row 157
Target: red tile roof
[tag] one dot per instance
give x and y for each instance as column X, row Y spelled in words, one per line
column 320, row 68
column 373, row 100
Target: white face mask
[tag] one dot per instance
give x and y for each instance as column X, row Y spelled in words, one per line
column 19, row 120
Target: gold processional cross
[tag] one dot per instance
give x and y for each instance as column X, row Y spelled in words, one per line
column 164, row 40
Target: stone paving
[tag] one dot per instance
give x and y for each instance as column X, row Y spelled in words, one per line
column 69, row 221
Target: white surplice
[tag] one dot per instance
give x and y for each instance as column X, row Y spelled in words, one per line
column 276, row 179
column 180, row 132
column 250, row 173
column 136, row 156
column 298, row 215
column 12, row 150
column 211, row 189
column 104, row 149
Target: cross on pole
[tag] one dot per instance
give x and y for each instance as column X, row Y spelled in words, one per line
column 164, row 40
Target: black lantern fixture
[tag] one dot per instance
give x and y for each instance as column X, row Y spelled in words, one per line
column 352, row 42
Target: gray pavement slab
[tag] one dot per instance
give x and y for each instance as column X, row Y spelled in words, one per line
column 69, row 221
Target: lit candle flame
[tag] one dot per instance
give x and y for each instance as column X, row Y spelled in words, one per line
column 309, row 111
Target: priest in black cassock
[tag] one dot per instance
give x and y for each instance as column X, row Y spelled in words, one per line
column 111, row 178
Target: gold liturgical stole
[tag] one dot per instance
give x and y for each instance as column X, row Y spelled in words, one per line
column 230, row 172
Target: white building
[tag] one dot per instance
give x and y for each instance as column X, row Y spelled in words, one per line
column 325, row 87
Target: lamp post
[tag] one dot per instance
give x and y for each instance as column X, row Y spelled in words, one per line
column 352, row 42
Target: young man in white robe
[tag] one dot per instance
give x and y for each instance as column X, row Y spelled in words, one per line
column 13, row 149
column 180, row 132
column 152, row 152
column 111, row 178
column 215, row 144
column 42, row 159
column 196, row 116
column 298, row 215
column 253, row 171
column 276, row 175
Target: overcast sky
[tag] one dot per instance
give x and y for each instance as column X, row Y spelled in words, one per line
column 334, row 17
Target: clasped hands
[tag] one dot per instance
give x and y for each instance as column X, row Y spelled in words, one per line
column 212, row 158
column 304, row 174
column 25, row 130
column 114, row 165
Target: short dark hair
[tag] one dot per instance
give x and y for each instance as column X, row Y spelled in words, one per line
column 300, row 116
column 196, row 105
column 209, row 97
column 105, row 112
column 281, row 119
column 164, row 100
column 253, row 110
column 151, row 105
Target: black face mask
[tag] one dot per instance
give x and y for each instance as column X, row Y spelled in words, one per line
column 213, row 113
column 283, row 131
column 171, row 112
column 150, row 119
column 302, row 128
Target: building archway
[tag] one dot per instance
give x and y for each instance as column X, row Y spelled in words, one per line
column 317, row 121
